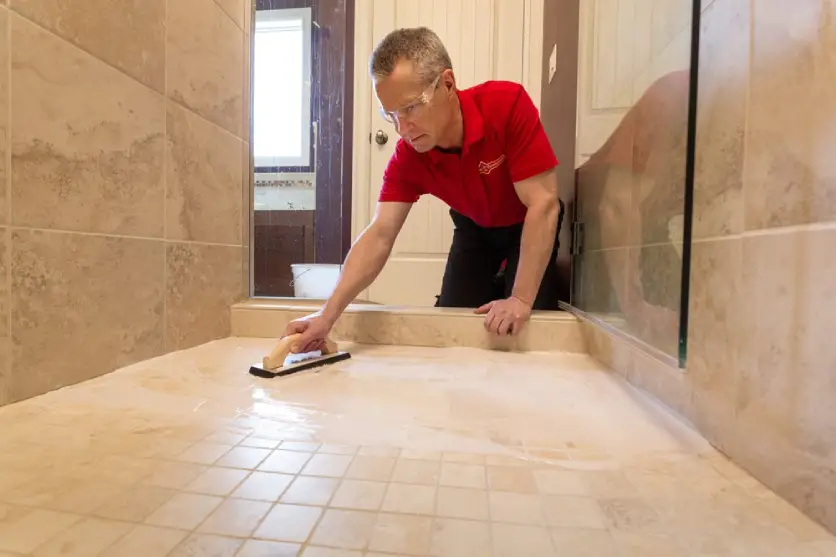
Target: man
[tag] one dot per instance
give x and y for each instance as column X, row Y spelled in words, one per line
column 484, row 152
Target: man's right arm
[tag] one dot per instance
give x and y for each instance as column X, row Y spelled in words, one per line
column 367, row 257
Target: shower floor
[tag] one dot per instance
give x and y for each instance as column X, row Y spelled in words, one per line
column 399, row 451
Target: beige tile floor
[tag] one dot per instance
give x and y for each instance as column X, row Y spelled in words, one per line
column 398, row 451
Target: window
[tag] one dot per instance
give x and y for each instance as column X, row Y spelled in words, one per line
column 282, row 88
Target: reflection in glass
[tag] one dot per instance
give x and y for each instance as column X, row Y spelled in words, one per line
column 631, row 180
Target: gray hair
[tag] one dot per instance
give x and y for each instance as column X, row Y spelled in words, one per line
column 419, row 45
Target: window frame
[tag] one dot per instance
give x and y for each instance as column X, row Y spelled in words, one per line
column 308, row 159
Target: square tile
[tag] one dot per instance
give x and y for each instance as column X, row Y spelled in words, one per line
column 199, row 545
column 560, row 482
column 225, row 437
column 22, row 530
column 464, row 458
column 259, row 443
column 264, row 486
column 302, row 446
column 134, row 504
column 174, row 475
column 402, row 534
column 312, row 551
column 410, row 499
column 184, row 510
column 456, row 538
column 510, row 478
column 334, row 448
column 375, row 468
column 332, row 466
column 573, row 512
column 308, row 490
column 420, row 454
column 515, row 540
column 458, row 502
column 235, row 517
column 286, row 462
column 416, row 472
column 218, row 481
column 521, row 508
column 580, row 542
column 259, row 548
column 359, row 494
column 87, row 537
column 146, row 541
column 383, row 451
column 463, row 475
column 204, row 452
column 629, row 514
column 289, row 523
column 344, row 529
column 244, row 457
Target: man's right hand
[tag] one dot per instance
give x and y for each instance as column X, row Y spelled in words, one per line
column 312, row 330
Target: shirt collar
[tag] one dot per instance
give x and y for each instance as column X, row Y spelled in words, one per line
column 474, row 124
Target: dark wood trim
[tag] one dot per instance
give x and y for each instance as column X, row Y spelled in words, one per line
column 333, row 108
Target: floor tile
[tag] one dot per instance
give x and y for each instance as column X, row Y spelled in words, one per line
column 264, row 486
column 135, row 504
column 336, row 448
column 207, row 545
column 510, row 478
column 22, row 530
column 454, row 538
column 573, row 512
column 244, row 457
column 410, row 499
column 174, row 475
column 521, row 508
column 286, row 462
column 463, row 475
column 289, row 523
column 203, row 453
column 184, row 511
column 581, row 542
column 359, row 494
column 458, row 502
column 416, row 472
column 259, row 443
column 516, row 540
column 235, row 517
column 84, row 538
column 261, row 548
column 402, row 534
column 146, row 541
column 217, row 481
column 344, row 529
column 375, row 468
column 309, row 490
column 332, row 466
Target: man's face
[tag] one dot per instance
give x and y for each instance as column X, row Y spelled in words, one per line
column 421, row 111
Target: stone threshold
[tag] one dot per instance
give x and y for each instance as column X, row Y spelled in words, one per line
column 411, row 326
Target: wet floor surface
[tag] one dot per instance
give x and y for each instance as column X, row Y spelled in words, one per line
column 397, row 451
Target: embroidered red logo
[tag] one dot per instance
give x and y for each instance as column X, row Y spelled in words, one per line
column 488, row 167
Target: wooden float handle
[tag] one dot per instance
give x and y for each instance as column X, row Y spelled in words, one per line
column 277, row 357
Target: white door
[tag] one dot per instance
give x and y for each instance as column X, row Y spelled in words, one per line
column 485, row 39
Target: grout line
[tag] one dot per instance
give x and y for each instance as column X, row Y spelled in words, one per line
column 121, row 236
column 8, row 233
column 165, row 178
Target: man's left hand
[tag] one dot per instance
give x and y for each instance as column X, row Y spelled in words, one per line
column 504, row 317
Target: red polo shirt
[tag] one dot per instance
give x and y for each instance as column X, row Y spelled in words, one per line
column 504, row 142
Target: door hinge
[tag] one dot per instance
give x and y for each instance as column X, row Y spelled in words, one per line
column 577, row 237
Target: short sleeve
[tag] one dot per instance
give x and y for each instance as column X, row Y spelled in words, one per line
column 399, row 184
column 527, row 145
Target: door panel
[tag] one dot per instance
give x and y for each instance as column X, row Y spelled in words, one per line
column 473, row 31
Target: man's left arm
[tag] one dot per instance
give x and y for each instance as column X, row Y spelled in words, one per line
column 540, row 196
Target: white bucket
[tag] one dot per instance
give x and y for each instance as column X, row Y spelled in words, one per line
column 314, row 280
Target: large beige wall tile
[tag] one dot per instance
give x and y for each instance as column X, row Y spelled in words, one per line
column 715, row 334
column 5, row 252
column 87, row 141
column 790, row 167
column 4, row 114
column 205, row 58
column 787, row 380
column 203, row 282
column 784, row 403
column 234, row 9
column 721, row 119
column 204, row 169
column 82, row 306
column 128, row 34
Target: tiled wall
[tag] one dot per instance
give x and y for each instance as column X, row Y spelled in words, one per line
column 123, row 160
column 761, row 373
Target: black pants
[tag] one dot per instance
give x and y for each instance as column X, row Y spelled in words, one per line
column 473, row 278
